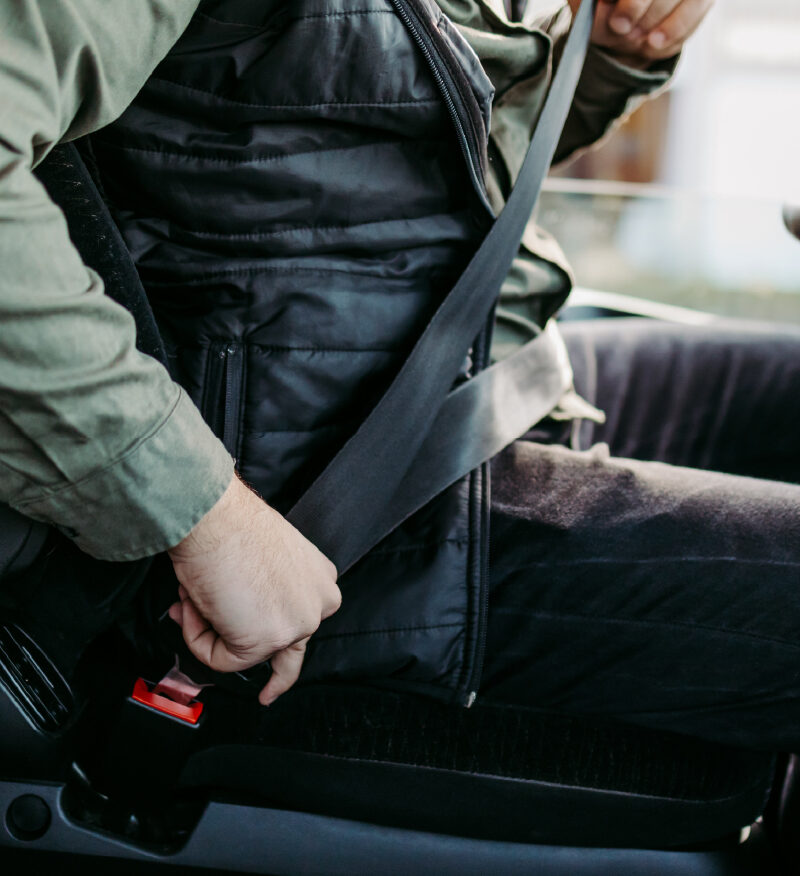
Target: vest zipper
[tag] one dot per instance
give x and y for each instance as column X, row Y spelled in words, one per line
column 468, row 139
column 234, row 372
column 224, row 379
column 482, row 355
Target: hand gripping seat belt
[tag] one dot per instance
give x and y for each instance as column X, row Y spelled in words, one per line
column 422, row 436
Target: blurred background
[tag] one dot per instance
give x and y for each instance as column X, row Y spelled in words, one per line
column 682, row 203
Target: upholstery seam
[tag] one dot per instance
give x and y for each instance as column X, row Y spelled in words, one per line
column 418, row 764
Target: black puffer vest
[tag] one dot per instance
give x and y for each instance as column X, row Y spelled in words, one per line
column 300, row 183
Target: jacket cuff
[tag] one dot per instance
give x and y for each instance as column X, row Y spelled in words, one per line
column 607, row 80
column 149, row 499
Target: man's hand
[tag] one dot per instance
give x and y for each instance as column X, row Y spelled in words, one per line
column 639, row 32
column 252, row 588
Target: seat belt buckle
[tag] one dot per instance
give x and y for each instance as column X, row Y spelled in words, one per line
column 175, row 696
column 154, row 698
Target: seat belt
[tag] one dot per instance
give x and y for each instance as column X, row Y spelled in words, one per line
column 72, row 183
column 422, row 437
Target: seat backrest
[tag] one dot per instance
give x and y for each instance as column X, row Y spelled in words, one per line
column 67, row 175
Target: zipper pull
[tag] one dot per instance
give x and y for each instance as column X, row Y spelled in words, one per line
column 234, row 372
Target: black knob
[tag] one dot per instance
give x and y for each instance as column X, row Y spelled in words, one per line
column 791, row 216
column 28, row 817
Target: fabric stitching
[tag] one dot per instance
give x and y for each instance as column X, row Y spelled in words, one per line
column 417, row 547
column 279, row 349
column 266, row 29
column 269, row 269
column 265, row 159
column 254, row 434
column 292, row 229
column 737, row 701
column 646, row 622
column 346, row 14
column 320, row 638
column 656, row 560
column 296, row 106
column 254, row 27
column 249, row 345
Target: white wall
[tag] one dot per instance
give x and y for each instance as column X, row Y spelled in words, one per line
column 735, row 121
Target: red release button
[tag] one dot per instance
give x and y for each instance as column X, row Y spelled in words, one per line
column 142, row 694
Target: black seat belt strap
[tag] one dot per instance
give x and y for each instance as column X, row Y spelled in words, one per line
column 352, row 500
column 67, row 176
column 476, row 422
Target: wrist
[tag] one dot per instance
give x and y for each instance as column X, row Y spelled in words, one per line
column 205, row 534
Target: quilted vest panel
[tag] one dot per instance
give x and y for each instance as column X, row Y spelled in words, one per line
column 294, row 193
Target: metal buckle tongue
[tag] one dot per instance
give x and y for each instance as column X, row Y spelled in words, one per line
column 178, row 686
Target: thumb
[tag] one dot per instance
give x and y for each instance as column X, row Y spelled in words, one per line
column 286, row 666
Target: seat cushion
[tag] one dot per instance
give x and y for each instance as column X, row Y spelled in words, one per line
column 488, row 772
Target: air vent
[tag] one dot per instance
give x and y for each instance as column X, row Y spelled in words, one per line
column 32, row 681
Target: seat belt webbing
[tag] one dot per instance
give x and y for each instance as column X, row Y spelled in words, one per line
column 477, row 421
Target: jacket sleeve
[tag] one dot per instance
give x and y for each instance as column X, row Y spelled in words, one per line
column 95, row 438
column 607, row 91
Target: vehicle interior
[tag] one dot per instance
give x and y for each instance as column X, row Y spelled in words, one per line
column 103, row 767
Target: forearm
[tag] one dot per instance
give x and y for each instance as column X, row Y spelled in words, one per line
column 94, row 437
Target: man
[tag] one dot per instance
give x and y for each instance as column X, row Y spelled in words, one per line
column 282, row 141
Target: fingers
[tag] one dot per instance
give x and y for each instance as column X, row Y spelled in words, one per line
column 647, row 30
column 636, row 17
column 673, row 30
column 626, row 14
column 286, row 666
column 332, row 601
column 175, row 611
column 205, row 643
